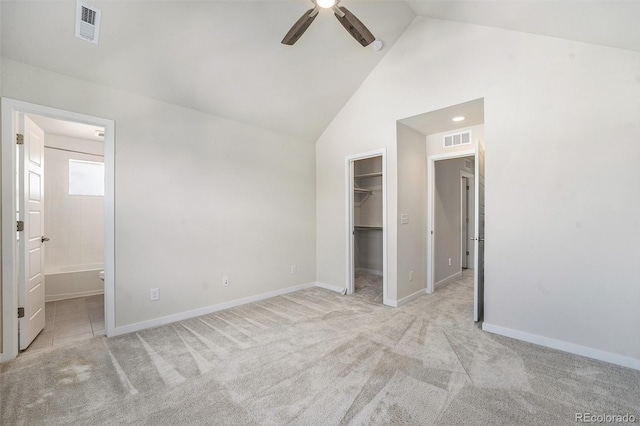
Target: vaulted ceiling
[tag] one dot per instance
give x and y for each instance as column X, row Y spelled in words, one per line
column 225, row 57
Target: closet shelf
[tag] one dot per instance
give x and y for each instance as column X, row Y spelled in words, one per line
column 368, row 228
column 367, row 175
column 362, row 191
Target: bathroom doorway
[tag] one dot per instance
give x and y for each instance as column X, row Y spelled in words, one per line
column 77, row 238
column 73, row 245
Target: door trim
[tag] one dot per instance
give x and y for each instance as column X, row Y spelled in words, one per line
column 10, row 109
column 349, row 220
column 431, row 187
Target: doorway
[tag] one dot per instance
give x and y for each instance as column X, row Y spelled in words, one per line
column 438, row 255
column 450, row 218
column 455, row 132
column 73, row 212
column 366, row 226
column 23, row 270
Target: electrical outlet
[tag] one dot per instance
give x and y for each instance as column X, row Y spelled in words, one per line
column 410, row 275
column 294, row 269
column 225, row 281
column 154, row 294
column 449, row 261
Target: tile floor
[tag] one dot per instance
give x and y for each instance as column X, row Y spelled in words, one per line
column 70, row 320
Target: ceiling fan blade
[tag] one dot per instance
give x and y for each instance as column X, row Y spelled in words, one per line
column 355, row 27
column 300, row 27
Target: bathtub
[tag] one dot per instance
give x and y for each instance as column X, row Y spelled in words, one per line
column 67, row 282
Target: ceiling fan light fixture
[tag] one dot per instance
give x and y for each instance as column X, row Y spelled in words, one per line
column 326, row 4
column 354, row 27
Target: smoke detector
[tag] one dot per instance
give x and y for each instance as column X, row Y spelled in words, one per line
column 87, row 22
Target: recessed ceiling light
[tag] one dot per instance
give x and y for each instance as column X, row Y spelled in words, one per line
column 460, row 118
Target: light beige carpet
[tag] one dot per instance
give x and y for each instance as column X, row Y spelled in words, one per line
column 315, row 358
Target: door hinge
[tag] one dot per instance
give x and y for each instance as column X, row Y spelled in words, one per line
column 467, row 252
column 20, row 312
column 20, row 226
column 467, row 187
column 20, row 139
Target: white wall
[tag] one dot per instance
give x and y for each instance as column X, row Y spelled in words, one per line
column 196, row 197
column 447, row 218
column 412, row 243
column 74, row 223
column 562, row 121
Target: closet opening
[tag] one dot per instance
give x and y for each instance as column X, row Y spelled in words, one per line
column 367, row 230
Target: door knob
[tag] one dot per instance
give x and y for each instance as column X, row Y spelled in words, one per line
column 43, row 239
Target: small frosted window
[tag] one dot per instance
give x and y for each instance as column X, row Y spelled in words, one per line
column 86, row 178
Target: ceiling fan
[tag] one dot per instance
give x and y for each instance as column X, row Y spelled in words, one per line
column 346, row 18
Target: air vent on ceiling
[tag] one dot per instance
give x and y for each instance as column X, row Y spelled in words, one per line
column 87, row 22
column 456, row 139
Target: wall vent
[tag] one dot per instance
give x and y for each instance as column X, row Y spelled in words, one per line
column 456, row 139
column 87, row 22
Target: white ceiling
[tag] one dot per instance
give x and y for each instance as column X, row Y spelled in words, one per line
column 225, row 57
column 442, row 120
column 613, row 23
column 220, row 57
column 67, row 128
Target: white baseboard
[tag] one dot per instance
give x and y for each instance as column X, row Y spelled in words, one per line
column 369, row 271
column 331, row 287
column 410, row 297
column 130, row 328
column 564, row 346
column 447, row 280
column 64, row 296
column 405, row 300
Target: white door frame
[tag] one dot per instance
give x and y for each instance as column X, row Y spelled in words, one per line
column 349, row 221
column 431, row 187
column 467, row 175
column 10, row 109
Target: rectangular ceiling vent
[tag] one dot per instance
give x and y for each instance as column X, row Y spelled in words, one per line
column 456, row 139
column 87, row 22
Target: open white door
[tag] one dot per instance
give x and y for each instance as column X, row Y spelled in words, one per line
column 478, row 274
column 31, row 240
